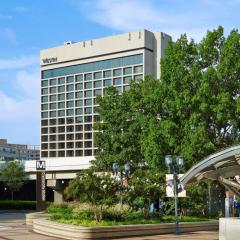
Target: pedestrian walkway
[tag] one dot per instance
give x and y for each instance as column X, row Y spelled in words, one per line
column 13, row 227
column 188, row 236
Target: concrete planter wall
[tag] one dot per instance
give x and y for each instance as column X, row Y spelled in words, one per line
column 67, row 231
column 229, row 228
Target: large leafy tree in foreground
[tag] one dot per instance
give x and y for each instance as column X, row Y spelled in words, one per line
column 193, row 110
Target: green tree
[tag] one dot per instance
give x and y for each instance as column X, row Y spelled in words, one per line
column 98, row 190
column 13, row 175
column 193, row 110
column 144, row 187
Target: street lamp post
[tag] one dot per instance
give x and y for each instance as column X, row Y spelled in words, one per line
column 117, row 170
column 174, row 168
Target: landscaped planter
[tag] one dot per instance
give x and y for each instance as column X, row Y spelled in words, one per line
column 68, row 231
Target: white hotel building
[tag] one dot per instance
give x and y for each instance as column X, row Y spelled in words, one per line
column 72, row 75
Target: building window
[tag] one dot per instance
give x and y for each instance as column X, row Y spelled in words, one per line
column 79, row 136
column 70, row 87
column 79, row 78
column 53, row 105
column 79, row 119
column 61, row 145
column 61, row 153
column 61, row 97
column 61, row 80
column 52, row 138
column 61, row 105
column 138, row 77
column 126, row 88
column 107, row 82
column 70, row 95
column 61, row 121
column 79, row 153
column 61, row 89
column 79, row 103
column 70, row 145
column 52, row 130
column 53, row 98
column 52, row 145
column 45, row 83
column 88, row 119
column 138, row 69
column 70, row 137
column 53, row 82
column 70, row 153
column 70, row 104
column 79, row 86
column 44, row 146
column 88, row 85
column 88, row 144
column 44, row 138
column 97, row 84
column 88, row 77
column 79, row 111
column 88, row 93
column 53, row 114
column 44, row 107
column 97, row 75
column 45, row 91
column 53, row 90
column 126, row 80
column 45, row 99
column 127, row 71
column 70, row 120
column 70, row 79
column 79, row 144
column 88, row 102
column 61, row 129
column 44, row 122
column 117, row 81
column 88, row 152
column 70, row 128
column 70, row 112
column 53, row 121
column 61, row 113
column 117, row 72
column 88, row 110
column 79, row 94
column 88, row 127
column 107, row 74
column 44, row 114
column 61, row 137
column 79, row 128
column 44, row 154
column 88, row 135
column 97, row 92
column 44, row 130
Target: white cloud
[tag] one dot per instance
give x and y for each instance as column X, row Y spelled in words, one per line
column 20, row 9
column 6, row 17
column 20, row 62
column 19, row 119
column 9, row 35
column 173, row 16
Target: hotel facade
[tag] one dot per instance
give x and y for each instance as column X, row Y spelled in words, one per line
column 72, row 75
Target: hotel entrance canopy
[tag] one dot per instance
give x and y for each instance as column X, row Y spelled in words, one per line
column 223, row 166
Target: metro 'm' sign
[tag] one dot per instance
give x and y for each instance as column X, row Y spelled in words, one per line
column 40, row 166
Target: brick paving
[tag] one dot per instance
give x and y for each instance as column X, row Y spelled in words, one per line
column 202, row 235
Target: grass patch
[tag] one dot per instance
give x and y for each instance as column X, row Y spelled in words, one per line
column 111, row 216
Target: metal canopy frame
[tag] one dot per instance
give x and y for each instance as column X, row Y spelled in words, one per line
column 219, row 166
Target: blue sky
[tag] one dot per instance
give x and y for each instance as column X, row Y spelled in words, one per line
column 27, row 26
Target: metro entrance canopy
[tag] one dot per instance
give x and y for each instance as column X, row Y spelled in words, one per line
column 223, row 167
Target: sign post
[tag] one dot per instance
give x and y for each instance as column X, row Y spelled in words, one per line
column 40, row 185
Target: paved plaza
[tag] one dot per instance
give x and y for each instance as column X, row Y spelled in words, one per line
column 12, row 226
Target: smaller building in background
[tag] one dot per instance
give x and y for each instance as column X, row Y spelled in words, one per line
column 9, row 151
